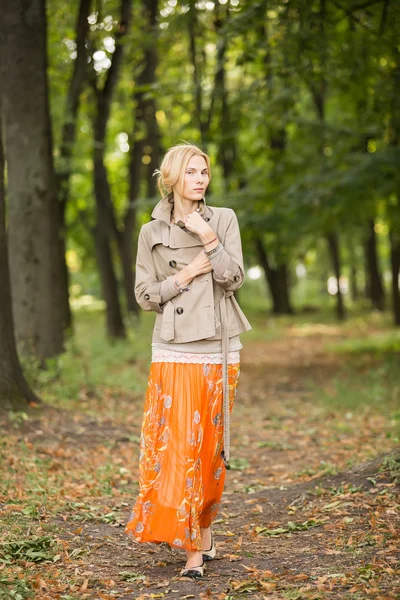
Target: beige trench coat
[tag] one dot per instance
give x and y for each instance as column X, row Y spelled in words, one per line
column 209, row 309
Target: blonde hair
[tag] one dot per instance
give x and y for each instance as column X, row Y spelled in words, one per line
column 173, row 166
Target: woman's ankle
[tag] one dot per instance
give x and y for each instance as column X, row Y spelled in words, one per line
column 205, row 537
column 193, row 559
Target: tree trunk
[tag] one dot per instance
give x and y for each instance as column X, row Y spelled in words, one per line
column 106, row 226
column 395, row 268
column 228, row 144
column 374, row 280
column 276, row 279
column 276, row 140
column 109, row 284
column 34, row 244
column 353, row 283
column 333, row 243
column 146, row 140
column 153, row 130
column 103, row 237
column 394, row 137
column 318, row 87
column 126, row 255
column 15, row 392
column 354, row 291
column 64, row 167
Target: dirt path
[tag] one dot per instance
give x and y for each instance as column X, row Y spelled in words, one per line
column 305, row 513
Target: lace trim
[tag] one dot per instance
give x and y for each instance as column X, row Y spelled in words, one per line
column 214, row 358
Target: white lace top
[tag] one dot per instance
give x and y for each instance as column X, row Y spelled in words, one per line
column 214, row 358
column 200, row 351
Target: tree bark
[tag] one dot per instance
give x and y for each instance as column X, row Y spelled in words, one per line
column 353, row 283
column 109, row 284
column 106, row 226
column 354, row 291
column 64, row 167
column 276, row 279
column 15, row 392
column 333, row 243
column 375, row 289
column 153, row 130
column 228, row 144
column 34, row 243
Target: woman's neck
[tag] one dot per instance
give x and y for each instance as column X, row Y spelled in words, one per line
column 183, row 207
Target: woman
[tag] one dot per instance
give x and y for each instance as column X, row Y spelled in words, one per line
column 189, row 263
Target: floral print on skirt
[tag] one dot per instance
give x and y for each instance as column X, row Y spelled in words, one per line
column 181, row 471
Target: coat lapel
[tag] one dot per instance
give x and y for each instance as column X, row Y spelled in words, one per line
column 179, row 236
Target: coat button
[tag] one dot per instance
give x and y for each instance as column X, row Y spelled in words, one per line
column 172, row 263
column 236, row 278
column 147, row 296
column 207, row 219
column 179, row 310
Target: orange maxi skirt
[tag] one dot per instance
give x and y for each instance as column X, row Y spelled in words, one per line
column 181, row 471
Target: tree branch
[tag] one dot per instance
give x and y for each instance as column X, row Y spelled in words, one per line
column 350, row 13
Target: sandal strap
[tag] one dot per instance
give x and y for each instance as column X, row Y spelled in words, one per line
column 193, row 571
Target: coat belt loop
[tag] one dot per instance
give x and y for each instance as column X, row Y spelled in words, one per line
column 225, row 382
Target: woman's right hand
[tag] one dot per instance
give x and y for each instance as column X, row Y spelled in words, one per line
column 200, row 264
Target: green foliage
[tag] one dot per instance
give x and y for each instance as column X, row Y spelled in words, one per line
column 16, row 589
column 391, row 464
column 289, row 528
column 35, row 549
column 308, row 99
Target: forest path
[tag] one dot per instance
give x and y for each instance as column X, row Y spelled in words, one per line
column 305, row 513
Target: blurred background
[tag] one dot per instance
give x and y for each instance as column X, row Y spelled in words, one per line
column 298, row 105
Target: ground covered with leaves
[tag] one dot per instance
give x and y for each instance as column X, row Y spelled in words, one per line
column 310, row 509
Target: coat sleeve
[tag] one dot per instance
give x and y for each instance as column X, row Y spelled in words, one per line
column 228, row 261
column 150, row 293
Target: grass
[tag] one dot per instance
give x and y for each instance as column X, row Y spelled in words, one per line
column 359, row 384
column 92, row 362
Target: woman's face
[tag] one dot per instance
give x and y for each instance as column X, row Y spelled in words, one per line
column 196, row 179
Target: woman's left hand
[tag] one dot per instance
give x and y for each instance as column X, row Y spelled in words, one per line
column 195, row 223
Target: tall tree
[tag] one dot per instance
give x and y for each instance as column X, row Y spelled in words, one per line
column 105, row 218
column 394, row 209
column 15, row 392
column 277, row 277
column 145, row 146
column 375, row 290
column 33, row 216
column 313, row 20
column 64, row 164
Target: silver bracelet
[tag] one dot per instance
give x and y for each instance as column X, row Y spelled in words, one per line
column 210, row 252
column 180, row 289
